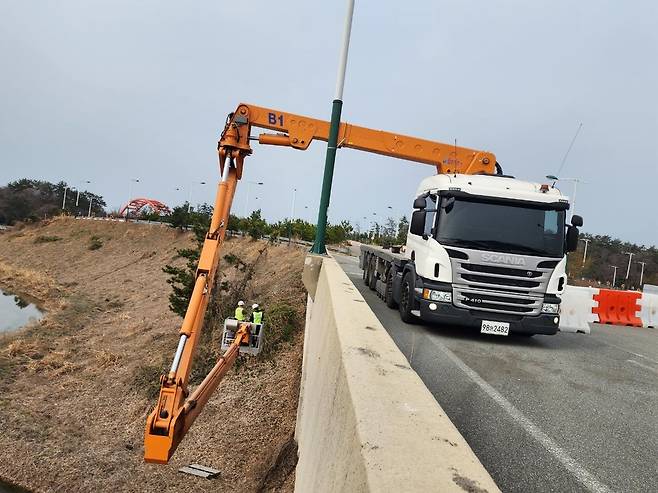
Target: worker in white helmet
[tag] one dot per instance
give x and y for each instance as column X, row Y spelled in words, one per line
column 256, row 314
column 239, row 311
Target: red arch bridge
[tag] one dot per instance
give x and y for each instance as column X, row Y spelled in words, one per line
column 141, row 205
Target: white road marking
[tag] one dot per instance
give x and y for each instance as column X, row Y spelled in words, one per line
column 631, row 352
column 583, row 476
column 642, row 365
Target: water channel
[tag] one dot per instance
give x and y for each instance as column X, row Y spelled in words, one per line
column 16, row 311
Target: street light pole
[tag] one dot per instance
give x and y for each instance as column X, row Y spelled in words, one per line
column 641, row 272
column 246, row 202
column 64, row 199
column 130, row 194
column 77, row 197
column 292, row 210
column 614, row 275
column 189, row 198
column 330, row 159
column 292, row 215
column 630, row 257
column 586, row 240
column 575, row 181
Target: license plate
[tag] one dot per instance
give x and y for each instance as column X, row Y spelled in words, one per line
column 496, row 328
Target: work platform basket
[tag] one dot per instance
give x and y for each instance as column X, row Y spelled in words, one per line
column 256, row 336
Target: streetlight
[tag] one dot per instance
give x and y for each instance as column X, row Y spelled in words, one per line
column 292, row 215
column 575, row 181
column 77, row 197
column 332, row 140
column 586, row 240
column 189, row 196
column 130, row 194
column 614, row 276
column 246, row 202
column 64, row 199
column 630, row 257
column 641, row 272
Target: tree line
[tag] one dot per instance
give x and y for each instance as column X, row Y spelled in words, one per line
column 29, row 200
column 33, row 200
column 604, row 253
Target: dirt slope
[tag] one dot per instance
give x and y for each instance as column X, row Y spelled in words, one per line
column 76, row 387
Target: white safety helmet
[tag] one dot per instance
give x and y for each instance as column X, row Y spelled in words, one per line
column 254, row 306
column 240, row 303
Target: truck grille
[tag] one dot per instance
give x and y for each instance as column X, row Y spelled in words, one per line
column 501, row 289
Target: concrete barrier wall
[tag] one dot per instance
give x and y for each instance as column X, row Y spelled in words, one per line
column 366, row 422
column 582, row 306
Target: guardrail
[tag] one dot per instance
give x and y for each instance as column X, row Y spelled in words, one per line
column 366, row 421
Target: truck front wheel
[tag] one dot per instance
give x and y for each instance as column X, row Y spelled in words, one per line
column 407, row 299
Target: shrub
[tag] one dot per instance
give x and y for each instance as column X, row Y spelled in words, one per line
column 95, row 243
column 46, row 239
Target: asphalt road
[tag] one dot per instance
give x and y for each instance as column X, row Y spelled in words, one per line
column 562, row 413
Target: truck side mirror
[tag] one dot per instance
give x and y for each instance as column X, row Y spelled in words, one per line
column 577, row 220
column 572, row 239
column 419, row 203
column 417, row 226
column 448, row 204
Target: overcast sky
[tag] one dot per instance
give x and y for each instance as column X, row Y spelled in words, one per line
column 117, row 89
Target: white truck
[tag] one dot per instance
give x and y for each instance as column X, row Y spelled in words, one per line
column 485, row 251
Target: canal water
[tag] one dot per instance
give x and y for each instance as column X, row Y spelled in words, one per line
column 15, row 312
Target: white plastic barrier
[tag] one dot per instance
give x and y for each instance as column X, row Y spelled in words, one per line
column 576, row 309
column 649, row 310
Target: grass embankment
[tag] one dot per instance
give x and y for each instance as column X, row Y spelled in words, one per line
column 75, row 388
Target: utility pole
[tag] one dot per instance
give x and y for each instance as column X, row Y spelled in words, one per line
column 630, row 257
column 91, row 200
column 614, row 276
column 585, row 252
column 641, row 272
column 330, row 160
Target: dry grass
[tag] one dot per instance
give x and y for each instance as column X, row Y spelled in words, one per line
column 75, row 388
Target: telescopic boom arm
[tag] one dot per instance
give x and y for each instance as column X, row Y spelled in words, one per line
column 176, row 408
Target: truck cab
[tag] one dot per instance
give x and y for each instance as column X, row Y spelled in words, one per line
column 487, row 251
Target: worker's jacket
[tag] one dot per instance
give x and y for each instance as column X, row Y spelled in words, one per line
column 239, row 314
column 257, row 317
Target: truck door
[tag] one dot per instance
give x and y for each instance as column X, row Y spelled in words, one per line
column 418, row 244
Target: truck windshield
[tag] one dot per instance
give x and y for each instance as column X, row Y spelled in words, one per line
column 504, row 227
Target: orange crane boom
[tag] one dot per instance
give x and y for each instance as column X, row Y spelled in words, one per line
column 176, row 408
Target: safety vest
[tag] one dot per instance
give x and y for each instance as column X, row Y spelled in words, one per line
column 257, row 317
column 239, row 314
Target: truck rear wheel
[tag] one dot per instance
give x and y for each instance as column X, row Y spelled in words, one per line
column 407, row 299
column 366, row 264
column 372, row 276
column 388, row 296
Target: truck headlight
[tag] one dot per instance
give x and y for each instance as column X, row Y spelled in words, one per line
column 550, row 308
column 440, row 296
